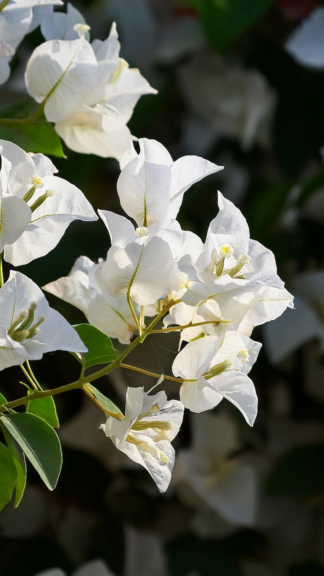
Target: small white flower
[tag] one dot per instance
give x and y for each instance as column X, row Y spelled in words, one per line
column 29, row 327
column 151, row 423
column 213, row 369
column 39, row 223
column 226, row 251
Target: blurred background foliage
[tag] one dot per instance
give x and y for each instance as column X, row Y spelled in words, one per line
column 229, row 91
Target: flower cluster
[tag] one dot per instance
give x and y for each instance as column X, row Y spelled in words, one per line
column 86, row 89
column 216, row 293
column 18, row 18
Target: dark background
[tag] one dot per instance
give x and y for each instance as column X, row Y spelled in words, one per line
column 98, row 500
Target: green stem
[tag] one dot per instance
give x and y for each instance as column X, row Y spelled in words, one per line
column 33, row 376
column 3, row 4
column 36, row 395
column 153, row 374
column 29, row 120
column 176, row 328
column 28, row 377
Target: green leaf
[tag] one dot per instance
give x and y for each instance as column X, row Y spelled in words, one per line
column 100, row 348
column 39, row 442
column 299, row 473
column 107, row 405
column 39, row 136
column 44, row 408
column 225, row 20
column 19, row 461
column 7, row 476
column 2, row 399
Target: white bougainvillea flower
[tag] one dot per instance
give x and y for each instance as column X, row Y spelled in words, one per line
column 142, row 269
column 145, row 436
column 97, row 124
column 28, row 326
column 61, row 26
column 182, row 314
column 63, row 73
column 227, row 484
column 53, row 203
column 151, row 185
column 110, row 315
column 15, row 214
column 214, row 369
column 301, row 325
column 236, row 102
column 306, row 44
column 229, row 250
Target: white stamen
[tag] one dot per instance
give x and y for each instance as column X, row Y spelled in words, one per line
column 226, row 251
column 141, row 231
column 82, row 29
column 36, row 181
column 227, row 362
column 244, row 355
column 244, row 259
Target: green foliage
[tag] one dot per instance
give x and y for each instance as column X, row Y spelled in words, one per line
column 108, row 406
column 7, row 476
column 299, row 473
column 19, row 461
column 44, row 408
column 100, row 348
column 224, row 21
column 39, row 442
column 39, row 136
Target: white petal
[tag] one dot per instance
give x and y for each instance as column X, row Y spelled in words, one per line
column 44, row 166
column 124, row 92
column 75, row 287
column 144, row 184
column 306, row 44
column 87, row 132
column 120, row 229
column 199, row 396
column 268, row 304
column 60, row 26
column 195, row 359
column 112, row 316
column 16, row 216
column 185, row 172
column 144, row 269
column 59, row 334
column 64, row 72
column 22, row 168
column 239, row 390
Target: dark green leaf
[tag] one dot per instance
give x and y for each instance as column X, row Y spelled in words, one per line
column 225, row 20
column 7, row 475
column 38, row 136
column 19, row 461
column 39, row 442
column 44, row 408
column 2, row 399
column 108, row 406
column 100, row 348
column 299, row 473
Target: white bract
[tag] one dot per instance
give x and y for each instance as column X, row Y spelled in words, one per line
column 28, row 326
column 214, row 369
column 87, row 90
column 17, row 18
column 226, row 483
column 37, row 206
column 151, row 423
column 110, row 315
column 236, row 102
column 306, row 44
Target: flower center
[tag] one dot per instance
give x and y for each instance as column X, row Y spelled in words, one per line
column 22, row 328
column 141, row 231
column 82, row 30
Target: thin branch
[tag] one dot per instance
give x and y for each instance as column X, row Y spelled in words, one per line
column 153, row 374
column 176, row 328
column 28, row 377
